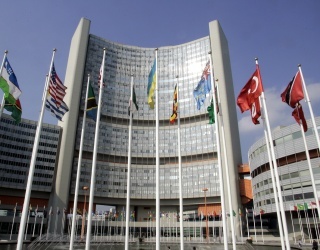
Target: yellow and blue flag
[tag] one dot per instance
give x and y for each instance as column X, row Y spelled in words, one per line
column 152, row 84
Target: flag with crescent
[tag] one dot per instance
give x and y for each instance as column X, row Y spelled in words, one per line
column 250, row 92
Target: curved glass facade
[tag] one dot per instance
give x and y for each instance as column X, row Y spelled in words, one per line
column 293, row 168
column 198, row 143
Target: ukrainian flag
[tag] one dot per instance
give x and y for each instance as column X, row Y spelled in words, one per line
column 152, row 84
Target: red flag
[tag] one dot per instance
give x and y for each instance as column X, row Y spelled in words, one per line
column 299, row 116
column 293, row 93
column 255, row 111
column 250, row 92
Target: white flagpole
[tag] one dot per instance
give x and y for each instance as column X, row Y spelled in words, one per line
column 25, row 236
column 226, row 167
column 35, row 221
column 283, row 216
column 95, row 151
column 157, row 159
column 32, row 166
column 14, row 216
column 261, row 226
column 48, row 222
column 76, row 191
column 223, row 214
column 310, row 167
column 180, row 174
column 300, row 223
column 273, row 183
column 316, row 135
column 240, row 226
column 129, row 167
column 3, row 100
column 44, row 208
column 254, row 223
column 294, row 234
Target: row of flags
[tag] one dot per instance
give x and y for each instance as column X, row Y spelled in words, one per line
column 10, row 87
column 248, row 98
column 303, row 206
column 57, row 91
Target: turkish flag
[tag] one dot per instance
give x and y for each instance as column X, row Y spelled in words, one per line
column 250, row 92
column 255, row 111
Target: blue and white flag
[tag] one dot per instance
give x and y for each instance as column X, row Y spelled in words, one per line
column 203, row 87
column 52, row 107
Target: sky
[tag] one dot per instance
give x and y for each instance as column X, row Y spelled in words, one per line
column 281, row 34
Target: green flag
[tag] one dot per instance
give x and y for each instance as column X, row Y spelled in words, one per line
column 15, row 110
column 210, row 110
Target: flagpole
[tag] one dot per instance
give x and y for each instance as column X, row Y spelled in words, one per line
column 35, row 221
column 254, row 223
column 294, row 234
column 225, row 240
column 315, row 131
column 227, row 172
column 76, row 191
column 32, row 166
column 129, row 167
column 240, row 220
column 157, row 159
column 283, row 216
column 95, row 151
column 180, row 173
column 3, row 100
column 44, row 208
column 14, row 216
column 274, row 185
column 247, row 223
column 261, row 226
column 310, row 167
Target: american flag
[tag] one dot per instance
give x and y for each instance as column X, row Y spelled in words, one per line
column 56, row 88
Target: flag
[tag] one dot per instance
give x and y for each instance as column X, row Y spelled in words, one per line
column 15, row 110
column 300, row 206
column 91, row 104
column 152, row 84
column 234, row 213
column 9, row 83
column 240, row 212
column 293, row 208
column 261, row 211
column 56, row 88
column 174, row 115
column 52, row 107
column 203, row 87
column 135, row 107
column 210, row 110
column 293, row 93
column 299, row 117
column 250, row 92
column 255, row 111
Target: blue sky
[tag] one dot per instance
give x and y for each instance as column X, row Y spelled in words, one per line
column 282, row 34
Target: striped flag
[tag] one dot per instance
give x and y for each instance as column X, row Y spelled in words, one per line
column 52, row 107
column 56, row 88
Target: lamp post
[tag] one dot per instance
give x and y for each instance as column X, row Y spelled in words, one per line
column 85, row 188
column 205, row 205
